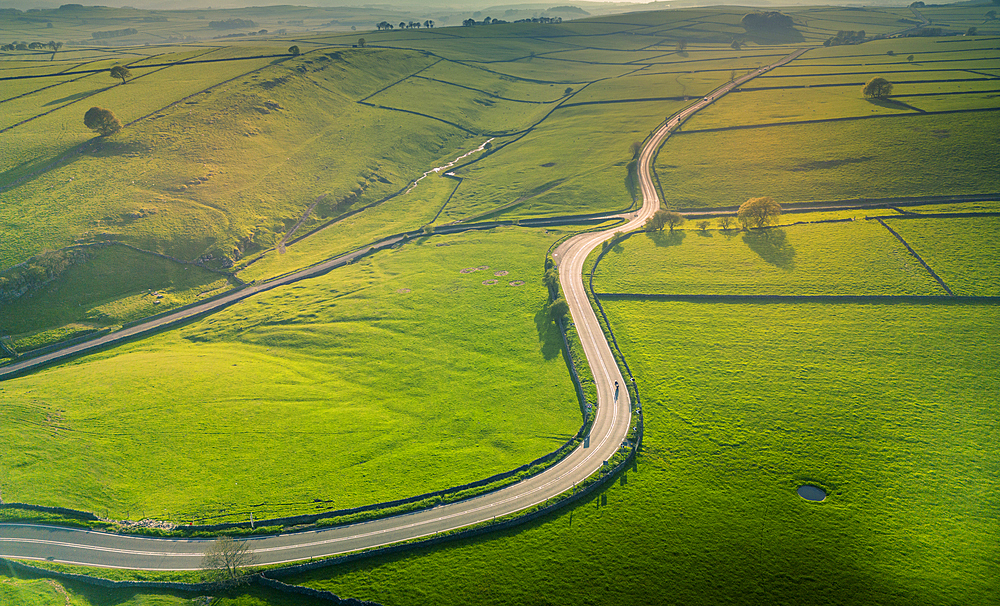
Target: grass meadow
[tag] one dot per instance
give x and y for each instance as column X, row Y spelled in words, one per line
column 91, row 292
column 961, row 251
column 889, row 408
column 396, row 375
column 875, row 158
column 858, row 258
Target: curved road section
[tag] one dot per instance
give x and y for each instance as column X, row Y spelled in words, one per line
column 73, row 546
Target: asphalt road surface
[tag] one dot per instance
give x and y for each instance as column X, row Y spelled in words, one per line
column 72, row 546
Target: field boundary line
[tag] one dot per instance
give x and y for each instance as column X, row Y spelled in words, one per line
column 914, row 253
column 843, row 119
column 68, row 153
column 97, row 71
column 884, row 299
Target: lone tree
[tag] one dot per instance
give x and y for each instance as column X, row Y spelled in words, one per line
column 121, row 72
column 702, row 225
column 293, row 51
column 758, row 212
column 102, row 120
column 361, row 42
column 635, row 148
column 877, row 88
column 226, row 561
column 725, row 222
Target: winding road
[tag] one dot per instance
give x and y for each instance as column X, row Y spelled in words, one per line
column 74, row 546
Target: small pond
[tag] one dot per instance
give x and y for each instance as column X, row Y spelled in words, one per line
column 811, row 493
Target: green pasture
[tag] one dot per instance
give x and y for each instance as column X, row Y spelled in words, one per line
column 960, row 250
column 645, row 85
column 25, row 589
column 473, row 110
column 114, row 285
column 456, row 73
column 882, row 157
column 858, row 258
column 396, row 375
column 572, row 163
column 146, row 93
column 540, row 69
column 957, row 207
column 216, row 167
column 406, row 212
column 886, row 407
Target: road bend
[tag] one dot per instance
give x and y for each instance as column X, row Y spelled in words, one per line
column 611, row 424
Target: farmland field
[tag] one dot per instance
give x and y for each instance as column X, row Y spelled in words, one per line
column 859, row 258
column 890, row 408
column 884, row 157
column 354, row 388
column 957, row 251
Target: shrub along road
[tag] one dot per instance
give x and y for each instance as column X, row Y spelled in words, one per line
column 608, row 432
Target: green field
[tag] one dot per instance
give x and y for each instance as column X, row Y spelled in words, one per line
column 358, row 387
column 890, row 408
column 858, row 258
column 885, row 157
column 957, row 251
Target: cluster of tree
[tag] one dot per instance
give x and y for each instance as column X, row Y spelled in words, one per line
column 536, row 20
column 232, row 24
column 877, row 88
column 51, row 45
column 769, row 20
column 485, row 21
column 926, row 32
column 102, row 121
column 846, row 37
column 115, row 33
column 404, row 25
column 663, row 218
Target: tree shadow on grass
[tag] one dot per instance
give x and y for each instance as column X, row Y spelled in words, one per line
column 78, row 96
column 667, row 238
column 895, row 104
column 773, row 246
column 704, row 233
column 548, row 334
column 100, row 147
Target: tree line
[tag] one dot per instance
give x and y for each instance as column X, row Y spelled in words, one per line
column 385, row 25
column 13, row 46
column 115, row 33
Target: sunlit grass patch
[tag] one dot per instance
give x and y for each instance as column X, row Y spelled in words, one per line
column 742, row 404
column 397, row 375
column 963, row 251
column 882, row 157
column 854, row 258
